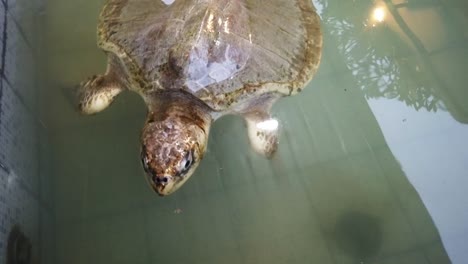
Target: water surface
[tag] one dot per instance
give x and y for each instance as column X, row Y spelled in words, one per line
column 371, row 165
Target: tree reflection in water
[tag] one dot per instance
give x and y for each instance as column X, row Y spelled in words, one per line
column 383, row 62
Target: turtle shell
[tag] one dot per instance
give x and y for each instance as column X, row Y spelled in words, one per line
column 221, row 51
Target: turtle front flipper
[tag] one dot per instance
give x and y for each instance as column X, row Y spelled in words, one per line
column 263, row 133
column 263, row 130
column 99, row 91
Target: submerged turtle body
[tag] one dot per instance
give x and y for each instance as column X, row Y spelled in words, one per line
column 218, row 56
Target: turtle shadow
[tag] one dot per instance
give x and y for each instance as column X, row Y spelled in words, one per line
column 358, row 235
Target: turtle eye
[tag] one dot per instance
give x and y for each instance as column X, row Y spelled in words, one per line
column 144, row 160
column 186, row 163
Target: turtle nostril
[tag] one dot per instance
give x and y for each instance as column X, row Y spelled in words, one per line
column 160, row 180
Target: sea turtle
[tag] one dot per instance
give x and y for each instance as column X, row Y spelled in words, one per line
column 194, row 61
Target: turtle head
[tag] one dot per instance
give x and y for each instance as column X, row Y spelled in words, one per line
column 172, row 148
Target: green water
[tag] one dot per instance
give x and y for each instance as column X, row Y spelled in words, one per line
column 372, row 162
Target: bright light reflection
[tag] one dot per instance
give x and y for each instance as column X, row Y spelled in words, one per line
column 210, row 25
column 226, row 25
column 269, row 125
column 378, row 14
column 11, row 178
column 168, row 2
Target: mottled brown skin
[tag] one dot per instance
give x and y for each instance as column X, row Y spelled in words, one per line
column 194, row 61
column 174, row 139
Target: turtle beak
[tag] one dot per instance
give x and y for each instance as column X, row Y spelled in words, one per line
column 160, row 189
